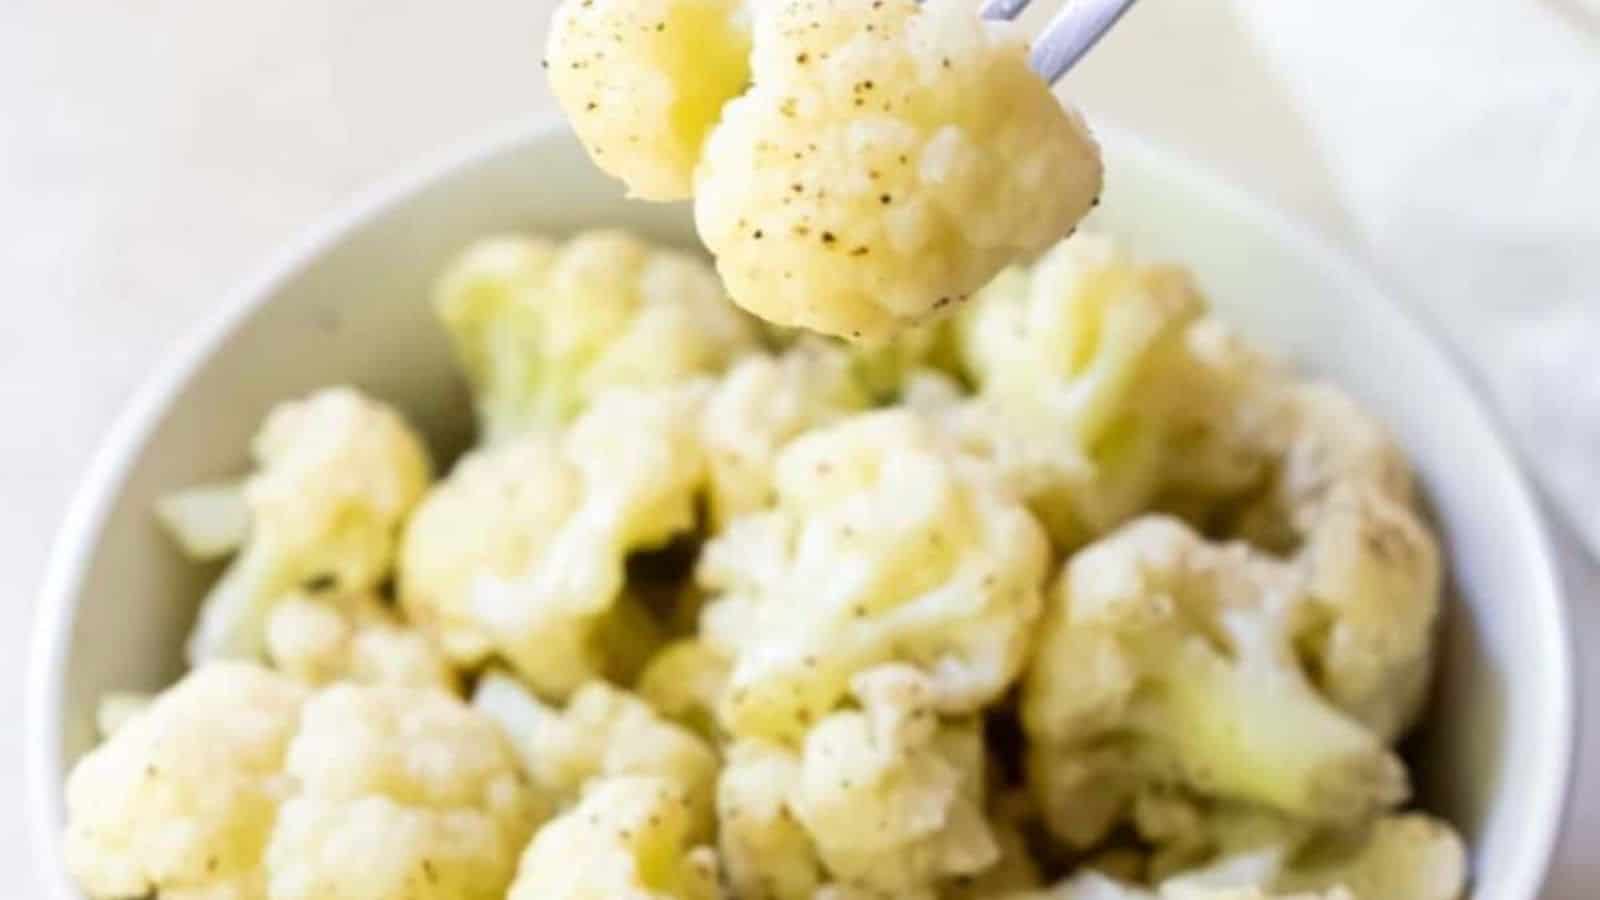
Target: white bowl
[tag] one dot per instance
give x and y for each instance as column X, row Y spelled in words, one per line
column 348, row 305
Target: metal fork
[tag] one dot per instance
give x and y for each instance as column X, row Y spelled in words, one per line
column 1075, row 29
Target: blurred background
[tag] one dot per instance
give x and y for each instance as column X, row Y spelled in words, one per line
column 155, row 152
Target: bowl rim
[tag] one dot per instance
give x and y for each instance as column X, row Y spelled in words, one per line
column 57, row 606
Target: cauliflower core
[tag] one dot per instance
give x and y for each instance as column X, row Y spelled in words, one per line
column 887, row 161
column 337, row 475
column 542, row 328
column 521, row 551
column 759, row 406
column 239, row 782
column 885, row 545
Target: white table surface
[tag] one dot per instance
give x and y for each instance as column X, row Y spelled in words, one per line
column 152, row 153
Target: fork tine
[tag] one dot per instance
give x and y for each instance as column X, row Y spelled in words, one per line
column 1003, row 9
column 1071, row 33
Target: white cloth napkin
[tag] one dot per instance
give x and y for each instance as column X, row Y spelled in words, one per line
column 1464, row 137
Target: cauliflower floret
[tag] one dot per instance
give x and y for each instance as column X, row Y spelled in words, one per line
column 886, row 799
column 403, row 792
column 643, row 82
column 1373, row 578
column 1316, row 478
column 1408, row 856
column 628, row 839
column 1323, row 441
column 887, row 368
column 893, row 798
column 182, row 799
column 1065, row 355
column 885, row 546
column 684, row 681
column 603, row 732
column 1014, row 871
column 763, row 403
column 542, row 328
column 351, row 637
column 337, row 475
column 767, row 854
column 1342, row 497
column 1168, row 659
column 116, row 709
column 1401, row 857
column 1224, row 401
column 521, row 551
column 209, row 521
column 888, row 160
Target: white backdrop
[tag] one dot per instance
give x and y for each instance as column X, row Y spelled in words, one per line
column 152, row 153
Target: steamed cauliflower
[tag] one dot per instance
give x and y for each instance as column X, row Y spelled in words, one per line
column 402, row 792
column 644, row 81
column 1398, row 857
column 337, row 473
column 684, row 681
column 1168, row 659
column 760, row 405
column 1410, row 856
column 628, row 839
column 767, row 854
column 521, row 551
column 884, row 545
column 542, row 328
column 182, row 800
column 239, row 782
column 886, row 800
column 352, row 638
column 603, row 732
column 887, row 161
column 753, row 614
column 1371, row 569
column 1065, row 355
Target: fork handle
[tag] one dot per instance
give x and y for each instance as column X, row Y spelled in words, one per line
column 1071, row 33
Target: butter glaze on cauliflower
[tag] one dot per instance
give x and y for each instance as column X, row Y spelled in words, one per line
column 521, row 551
column 885, row 545
column 887, row 161
column 542, row 328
